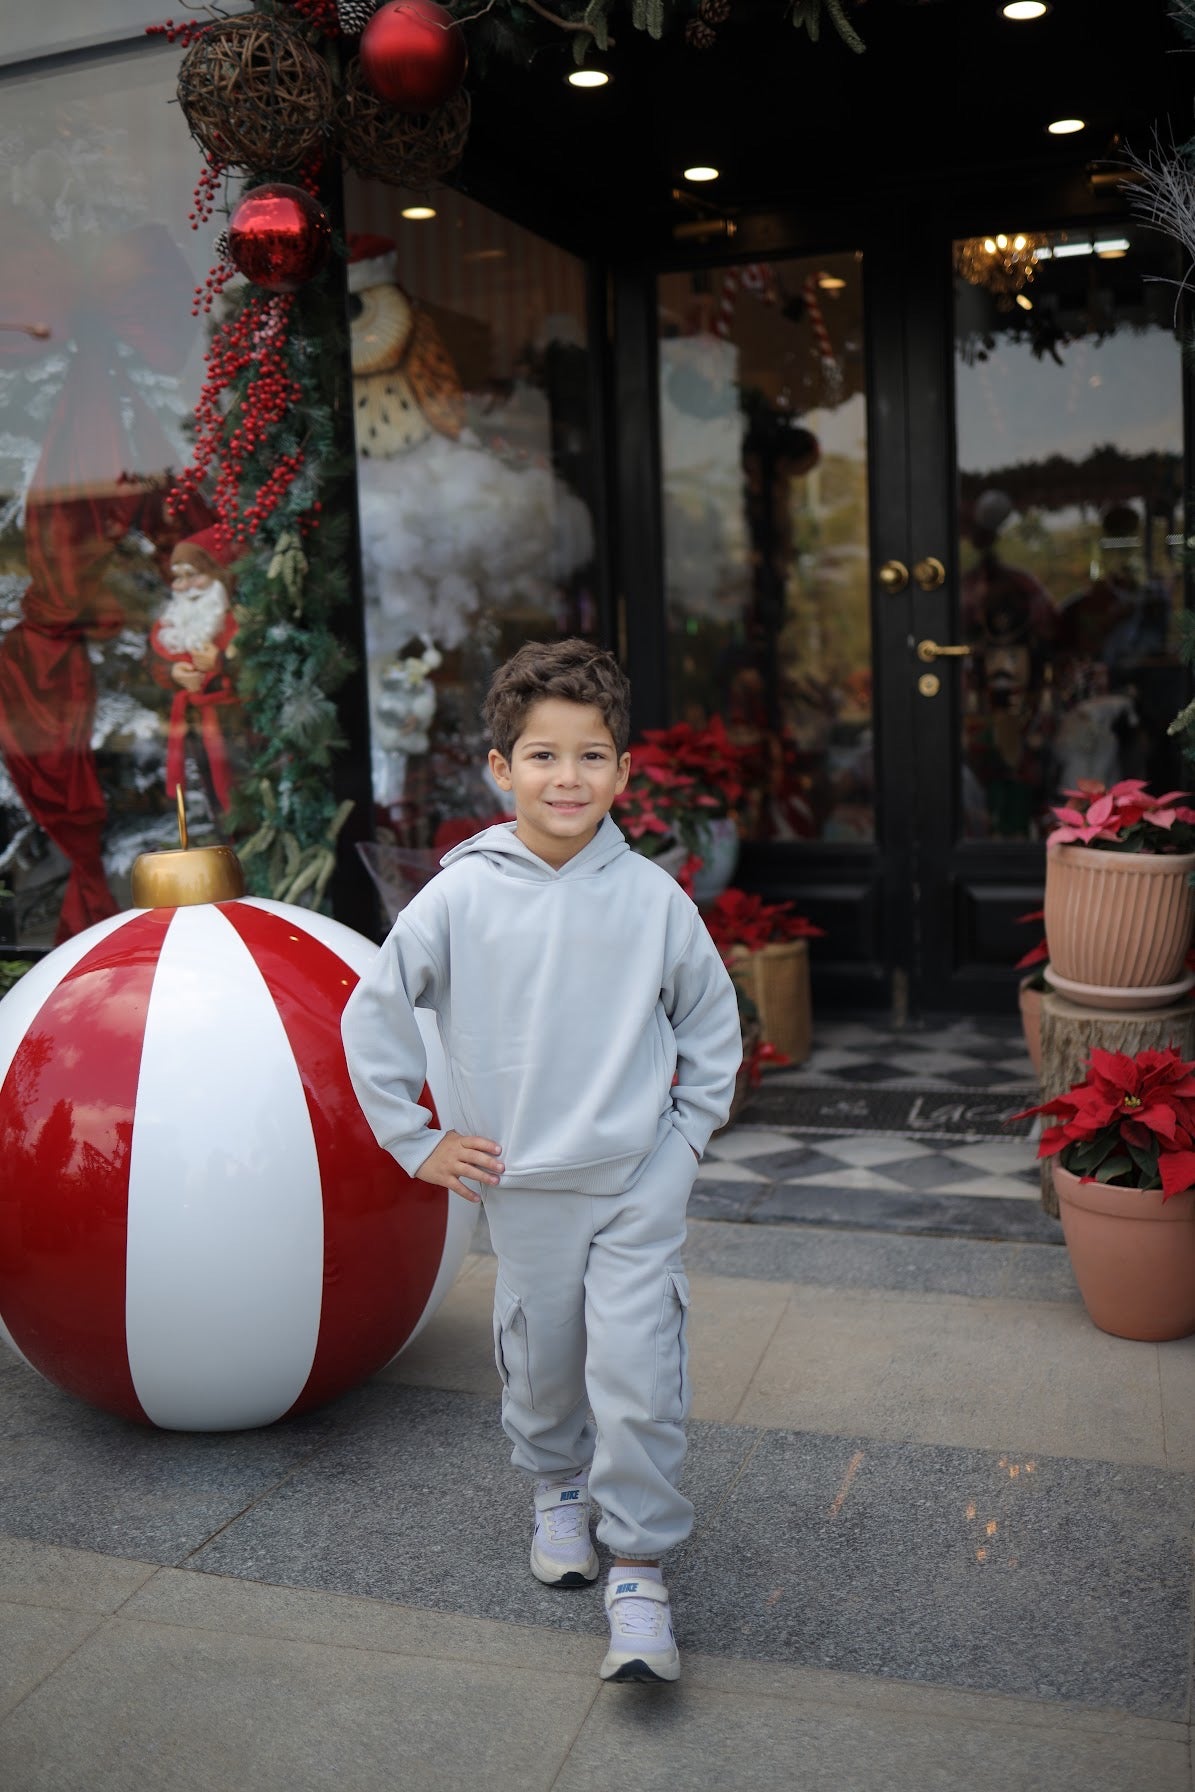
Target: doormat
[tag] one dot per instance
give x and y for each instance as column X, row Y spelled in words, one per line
column 915, row 1113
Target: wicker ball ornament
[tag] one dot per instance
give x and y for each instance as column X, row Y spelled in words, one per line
column 413, row 55
column 255, row 95
column 279, row 237
column 402, row 149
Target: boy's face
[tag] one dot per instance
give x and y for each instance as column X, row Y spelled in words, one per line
column 565, row 773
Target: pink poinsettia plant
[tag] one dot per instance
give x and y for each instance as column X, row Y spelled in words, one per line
column 680, row 777
column 736, row 918
column 1124, row 818
column 1131, row 1124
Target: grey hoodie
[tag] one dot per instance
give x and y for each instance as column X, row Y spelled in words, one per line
column 566, row 1000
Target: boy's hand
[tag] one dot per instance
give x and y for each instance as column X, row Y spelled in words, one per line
column 456, row 1156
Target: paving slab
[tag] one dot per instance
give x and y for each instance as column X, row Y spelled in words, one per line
column 1034, row 1376
column 148, row 1707
column 419, row 1505
column 1037, row 1577
column 699, row 1739
column 33, row 1642
column 70, row 1474
column 72, row 1579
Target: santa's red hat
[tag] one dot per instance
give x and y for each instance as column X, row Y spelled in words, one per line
column 373, row 261
column 205, row 551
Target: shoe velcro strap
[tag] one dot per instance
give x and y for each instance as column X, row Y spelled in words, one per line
column 576, row 1497
column 632, row 1586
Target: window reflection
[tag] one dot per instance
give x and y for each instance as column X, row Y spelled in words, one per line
column 1069, row 420
column 764, row 460
column 475, row 486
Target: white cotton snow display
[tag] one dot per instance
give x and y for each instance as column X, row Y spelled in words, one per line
column 701, row 436
column 450, row 528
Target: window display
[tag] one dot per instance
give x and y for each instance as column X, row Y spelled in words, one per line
column 100, row 360
column 473, row 430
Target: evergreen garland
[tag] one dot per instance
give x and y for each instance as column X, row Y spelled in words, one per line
column 289, row 588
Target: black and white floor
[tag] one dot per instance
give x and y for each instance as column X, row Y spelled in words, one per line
column 905, row 1131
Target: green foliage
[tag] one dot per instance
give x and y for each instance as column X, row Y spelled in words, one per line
column 11, row 971
column 289, row 659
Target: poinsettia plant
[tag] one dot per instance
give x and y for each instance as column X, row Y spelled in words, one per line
column 1036, row 955
column 1125, row 818
column 680, row 777
column 1131, row 1124
column 737, row 918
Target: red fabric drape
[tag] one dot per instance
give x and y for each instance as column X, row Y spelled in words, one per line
column 85, row 493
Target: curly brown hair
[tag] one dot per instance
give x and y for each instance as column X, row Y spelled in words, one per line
column 575, row 670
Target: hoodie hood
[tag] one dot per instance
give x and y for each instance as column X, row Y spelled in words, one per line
column 501, row 847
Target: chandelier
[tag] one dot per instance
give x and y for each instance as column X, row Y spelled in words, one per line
column 1003, row 264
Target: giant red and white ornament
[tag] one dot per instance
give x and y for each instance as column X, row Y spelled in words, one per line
column 197, row 1227
column 413, row 55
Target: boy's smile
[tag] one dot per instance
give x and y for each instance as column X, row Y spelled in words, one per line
column 565, row 773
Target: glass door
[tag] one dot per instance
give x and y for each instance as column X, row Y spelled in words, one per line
column 1042, row 633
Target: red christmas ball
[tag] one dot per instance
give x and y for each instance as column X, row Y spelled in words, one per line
column 413, row 55
column 279, row 237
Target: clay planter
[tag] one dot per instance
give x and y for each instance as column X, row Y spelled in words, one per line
column 1133, row 1256
column 1119, row 924
column 1030, row 1001
column 776, row 978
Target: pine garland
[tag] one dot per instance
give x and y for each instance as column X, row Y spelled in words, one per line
column 289, row 587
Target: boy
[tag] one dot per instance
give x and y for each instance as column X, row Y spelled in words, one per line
column 592, row 1036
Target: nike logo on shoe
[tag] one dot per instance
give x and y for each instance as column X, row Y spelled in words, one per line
column 626, row 1586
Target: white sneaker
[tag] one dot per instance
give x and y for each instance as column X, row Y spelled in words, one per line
column 562, row 1553
column 642, row 1646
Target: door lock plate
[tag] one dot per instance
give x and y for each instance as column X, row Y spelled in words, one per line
column 929, row 684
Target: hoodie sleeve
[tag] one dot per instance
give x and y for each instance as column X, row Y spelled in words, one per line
column 703, row 1010
column 384, row 1048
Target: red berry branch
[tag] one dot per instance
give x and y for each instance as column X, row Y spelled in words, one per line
column 249, row 351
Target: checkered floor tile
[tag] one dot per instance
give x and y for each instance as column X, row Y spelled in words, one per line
column 965, row 1187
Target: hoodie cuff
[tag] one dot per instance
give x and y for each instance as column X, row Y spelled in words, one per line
column 411, row 1153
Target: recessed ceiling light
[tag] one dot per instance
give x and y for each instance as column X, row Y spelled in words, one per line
column 831, row 282
column 1025, row 303
column 1025, row 9
column 701, row 173
column 418, row 212
column 588, row 77
column 1065, row 127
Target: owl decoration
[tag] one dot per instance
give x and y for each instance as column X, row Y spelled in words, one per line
column 405, row 385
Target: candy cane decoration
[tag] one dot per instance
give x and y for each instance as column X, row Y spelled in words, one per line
column 831, row 371
column 755, row 277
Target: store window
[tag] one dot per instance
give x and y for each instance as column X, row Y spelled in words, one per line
column 476, row 491
column 764, row 462
column 100, row 366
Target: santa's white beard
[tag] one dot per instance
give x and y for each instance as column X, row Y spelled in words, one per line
column 193, row 619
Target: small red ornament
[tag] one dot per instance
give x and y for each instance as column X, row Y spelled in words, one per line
column 279, row 237
column 413, row 55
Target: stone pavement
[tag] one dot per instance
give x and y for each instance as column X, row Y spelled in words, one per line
column 944, row 1540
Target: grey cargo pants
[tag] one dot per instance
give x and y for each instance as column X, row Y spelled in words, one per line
column 590, row 1310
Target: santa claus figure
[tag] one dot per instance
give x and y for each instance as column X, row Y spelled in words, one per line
column 193, row 644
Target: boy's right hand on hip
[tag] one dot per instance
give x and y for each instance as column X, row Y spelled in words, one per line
column 457, row 1155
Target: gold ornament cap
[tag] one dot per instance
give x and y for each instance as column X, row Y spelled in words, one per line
column 190, row 875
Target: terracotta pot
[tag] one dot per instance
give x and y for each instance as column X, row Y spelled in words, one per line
column 776, row 978
column 1030, row 1001
column 1118, row 921
column 1133, row 1255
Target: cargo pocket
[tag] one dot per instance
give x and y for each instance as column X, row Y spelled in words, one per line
column 670, row 1388
column 510, row 1344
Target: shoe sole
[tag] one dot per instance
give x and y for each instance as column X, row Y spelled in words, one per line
column 572, row 1577
column 637, row 1669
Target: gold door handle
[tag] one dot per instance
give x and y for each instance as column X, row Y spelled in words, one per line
column 893, row 575
column 929, row 573
column 929, row 651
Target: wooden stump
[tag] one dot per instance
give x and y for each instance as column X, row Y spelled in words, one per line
column 1069, row 1031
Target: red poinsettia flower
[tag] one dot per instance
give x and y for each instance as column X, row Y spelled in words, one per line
column 1037, row 954
column 1132, row 1123
column 736, row 918
column 1125, row 818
